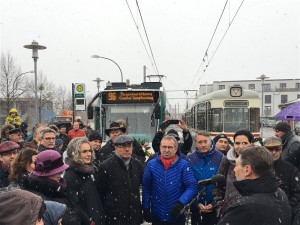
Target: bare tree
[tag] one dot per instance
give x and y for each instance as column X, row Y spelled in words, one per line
column 12, row 82
column 63, row 99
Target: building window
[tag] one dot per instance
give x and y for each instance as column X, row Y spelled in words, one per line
column 284, row 98
column 266, row 87
column 221, row 87
column 268, row 99
column 298, row 96
column 282, row 85
column 267, row 111
column 251, row 86
column 297, row 85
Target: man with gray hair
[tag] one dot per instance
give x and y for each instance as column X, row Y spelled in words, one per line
column 261, row 202
column 48, row 137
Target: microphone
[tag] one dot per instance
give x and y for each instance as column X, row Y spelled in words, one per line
column 218, row 180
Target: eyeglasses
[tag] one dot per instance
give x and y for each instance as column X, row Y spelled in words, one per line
column 124, row 145
column 167, row 147
column 275, row 148
column 50, row 138
column 241, row 143
column 86, row 151
column 10, row 153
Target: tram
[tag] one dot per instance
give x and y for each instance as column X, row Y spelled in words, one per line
column 142, row 106
column 225, row 111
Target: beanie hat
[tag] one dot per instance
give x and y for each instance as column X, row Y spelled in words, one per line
column 173, row 133
column 49, row 162
column 282, row 126
column 59, row 142
column 94, row 135
column 218, row 137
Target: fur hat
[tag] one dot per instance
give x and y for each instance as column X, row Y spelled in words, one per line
column 94, row 135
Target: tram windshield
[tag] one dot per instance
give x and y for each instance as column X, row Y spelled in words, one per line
column 141, row 124
column 236, row 119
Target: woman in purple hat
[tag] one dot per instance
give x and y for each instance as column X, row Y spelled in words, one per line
column 46, row 181
column 80, row 180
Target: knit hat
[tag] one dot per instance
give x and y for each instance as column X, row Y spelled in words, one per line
column 114, row 126
column 7, row 146
column 59, row 142
column 272, row 142
column 218, row 137
column 49, row 162
column 173, row 133
column 282, row 126
column 94, row 135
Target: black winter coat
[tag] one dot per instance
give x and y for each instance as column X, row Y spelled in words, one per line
column 184, row 147
column 119, row 189
column 53, row 191
column 262, row 203
column 83, row 193
column 291, row 149
column 288, row 179
column 4, row 173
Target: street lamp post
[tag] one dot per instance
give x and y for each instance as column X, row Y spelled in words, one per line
column 35, row 47
column 262, row 78
column 98, row 80
column 98, row 57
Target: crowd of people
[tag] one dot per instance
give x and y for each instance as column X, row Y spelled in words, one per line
column 60, row 177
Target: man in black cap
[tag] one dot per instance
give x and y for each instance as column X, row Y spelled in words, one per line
column 113, row 132
column 95, row 139
column 184, row 147
column 290, row 144
column 222, row 143
column 118, row 181
column 8, row 152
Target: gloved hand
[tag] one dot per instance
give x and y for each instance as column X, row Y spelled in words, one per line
column 147, row 215
column 164, row 125
column 177, row 207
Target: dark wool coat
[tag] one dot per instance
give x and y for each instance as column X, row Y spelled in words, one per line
column 291, row 149
column 82, row 192
column 4, row 173
column 288, row 179
column 53, row 191
column 119, row 190
column 262, row 203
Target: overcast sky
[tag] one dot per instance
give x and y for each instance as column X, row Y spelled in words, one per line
column 262, row 39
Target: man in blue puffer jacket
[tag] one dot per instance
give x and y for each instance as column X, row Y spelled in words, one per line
column 205, row 162
column 168, row 185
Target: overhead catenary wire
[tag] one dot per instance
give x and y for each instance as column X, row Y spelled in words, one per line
column 230, row 23
column 137, row 27
column 137, row 4
column 211, row 39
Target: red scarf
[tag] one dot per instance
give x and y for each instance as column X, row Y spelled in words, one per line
column 167, row 162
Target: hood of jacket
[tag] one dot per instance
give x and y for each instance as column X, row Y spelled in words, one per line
column 19, row 207
column 54, row 211
column 13, row 110
column 231, row 156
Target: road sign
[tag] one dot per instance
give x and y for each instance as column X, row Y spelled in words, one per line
column 79, row 97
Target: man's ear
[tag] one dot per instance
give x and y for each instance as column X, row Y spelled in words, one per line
column 248, row 170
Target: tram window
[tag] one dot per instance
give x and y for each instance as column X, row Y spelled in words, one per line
column 254, row 119
column 201, row 117
column 236, row 119
column 217, row 120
